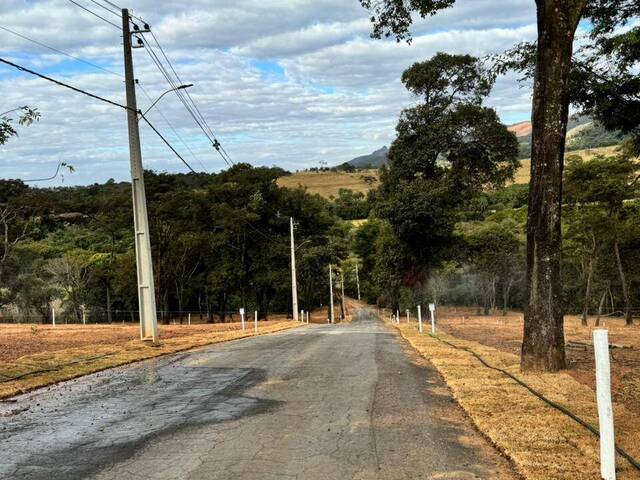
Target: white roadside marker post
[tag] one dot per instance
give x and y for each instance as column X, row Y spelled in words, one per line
column 255, row 322
column 605, row 407
column 189, row 319
column 53, row 315
column 420, row 318
column 307, row 318
column 302, row 316
column 432, row 310
column 242, row 318
column 407, row 315
column 398, row 316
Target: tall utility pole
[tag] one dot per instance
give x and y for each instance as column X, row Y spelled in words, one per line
column 144, row 265
column 331, row 294
column 358, row 281
column 294, row 286
column 342, row 309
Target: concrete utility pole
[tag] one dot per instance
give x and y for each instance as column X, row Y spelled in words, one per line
column 358, row 281
column 294, row 287
column 331, row 294
column 342, row 309
column 144, row 265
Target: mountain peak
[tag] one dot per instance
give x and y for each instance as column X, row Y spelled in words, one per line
column 374, row 160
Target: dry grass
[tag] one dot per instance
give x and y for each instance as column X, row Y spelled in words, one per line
column 541, row 442
column 68, row 352
column 328, row 184
column 523, row 173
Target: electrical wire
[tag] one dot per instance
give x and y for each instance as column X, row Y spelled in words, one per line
column 173, row 129
column 102, row 99
column 167, row 143
column 180, row 81
column 117, row 14
column 95, row 14
column 62, row 84
column 60, row 164
column 61, row 52
column 154, row 57
column 185, row 97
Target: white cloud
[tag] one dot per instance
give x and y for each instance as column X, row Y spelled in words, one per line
column 280, row 82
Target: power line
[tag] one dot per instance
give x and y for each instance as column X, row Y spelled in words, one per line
column 102, row 99
column 167, row 143
column 217, row 144
column 174, row 85
column 65, row 85
column 60, row 165
column 117, row 14
column 95, row 14
column 61, row 52
column 178, row 136
column 187, row 100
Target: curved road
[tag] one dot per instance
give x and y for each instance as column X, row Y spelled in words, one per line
column 322, row 402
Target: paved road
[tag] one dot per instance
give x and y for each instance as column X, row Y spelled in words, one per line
column 322, row 402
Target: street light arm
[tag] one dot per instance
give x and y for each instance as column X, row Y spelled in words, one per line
column 181, row 87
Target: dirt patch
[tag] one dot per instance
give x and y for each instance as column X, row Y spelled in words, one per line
column 542, row 442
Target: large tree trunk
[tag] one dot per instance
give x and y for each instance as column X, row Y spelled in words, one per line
column 625, row 288
column 543, row 342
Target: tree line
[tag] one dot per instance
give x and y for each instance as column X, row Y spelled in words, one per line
column 219, row 242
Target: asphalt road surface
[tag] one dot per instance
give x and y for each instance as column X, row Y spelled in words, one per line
column 321, row 402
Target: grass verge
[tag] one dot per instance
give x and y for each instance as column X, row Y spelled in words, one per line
column 542, row 443
column 42, row 369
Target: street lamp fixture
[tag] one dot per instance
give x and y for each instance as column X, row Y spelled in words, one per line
column 181, row 87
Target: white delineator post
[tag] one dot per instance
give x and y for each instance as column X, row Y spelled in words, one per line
column 255, row 322
column 242, row 318
column 53, row 315
column 398, row 317
column 307, row 318
column 432, row 310
column 407, row 316
column 420, row 318
column 189, row 319
column 605, row 407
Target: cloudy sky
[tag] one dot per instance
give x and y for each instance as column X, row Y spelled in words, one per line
column 281, row 82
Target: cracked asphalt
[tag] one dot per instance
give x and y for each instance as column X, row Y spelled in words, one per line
column 347, row 401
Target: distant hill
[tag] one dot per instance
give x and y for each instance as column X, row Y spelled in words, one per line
column 522, row 129
column 373, row 160
column 582, row 133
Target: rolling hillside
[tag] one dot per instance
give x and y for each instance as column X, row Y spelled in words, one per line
column 328, row 184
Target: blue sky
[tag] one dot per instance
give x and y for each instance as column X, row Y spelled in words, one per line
column 287, row 83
